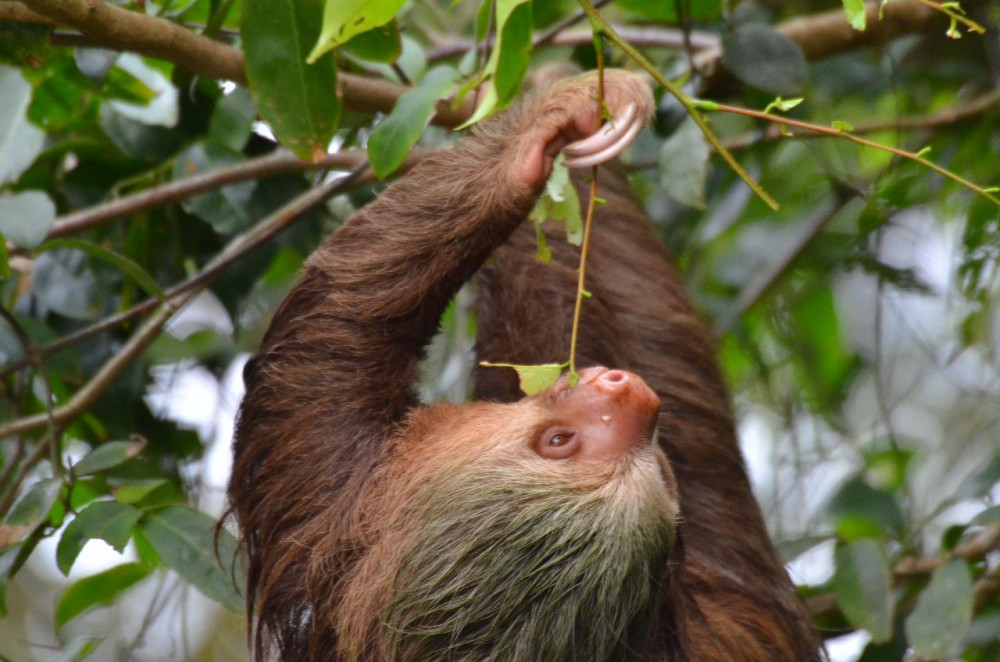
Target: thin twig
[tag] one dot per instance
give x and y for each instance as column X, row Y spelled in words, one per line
column 939, row 120
column 581, row 285
column 686, row 101
column 833, row 132
column 31, row 353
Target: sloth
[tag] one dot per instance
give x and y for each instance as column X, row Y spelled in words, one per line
column 608, row 518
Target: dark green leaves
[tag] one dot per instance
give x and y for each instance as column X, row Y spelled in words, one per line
column 107, row 455
column 36, row 503
column 25, row 218
column 122, row 263
column 861, row 511
column 684, row 165
column 20, row 141
column 185, row 542
column 862, row 586
column 509, row 58
column 224, row 209
column 765, row 59
column 110, row 521
column 298, row 100
column 99, row 589
column 943, row 611
column 391, row 140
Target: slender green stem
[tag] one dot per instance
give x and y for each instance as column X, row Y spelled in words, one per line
column 953, row 11
column 831, row 131
column 581, row 284
column 605, row 28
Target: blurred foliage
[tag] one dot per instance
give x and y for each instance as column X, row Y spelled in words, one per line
column 859, row 323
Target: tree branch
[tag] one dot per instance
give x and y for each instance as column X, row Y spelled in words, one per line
column 828, row 33
column 819, row 36
column 236, row 249
column 108, row 373
column 15, row 12
column 121, row 29
column 262, row 167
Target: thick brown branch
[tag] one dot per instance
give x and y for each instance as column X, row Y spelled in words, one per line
column 15, row 12
column 121, row 29
column 828, row 33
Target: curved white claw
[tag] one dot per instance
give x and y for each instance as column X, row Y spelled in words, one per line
column 605, row 136
column 607, row 153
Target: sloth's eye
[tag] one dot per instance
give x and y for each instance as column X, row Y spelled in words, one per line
column 557, row 443
column 558, row 440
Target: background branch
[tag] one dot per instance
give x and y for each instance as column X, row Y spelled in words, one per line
column 237, row 248
column 819, row 36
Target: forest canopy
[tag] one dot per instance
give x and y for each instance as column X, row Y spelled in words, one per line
column 825, row 174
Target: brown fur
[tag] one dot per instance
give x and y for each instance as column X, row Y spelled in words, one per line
column 327, row 412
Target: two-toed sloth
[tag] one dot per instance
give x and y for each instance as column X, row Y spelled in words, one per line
column 610, row 520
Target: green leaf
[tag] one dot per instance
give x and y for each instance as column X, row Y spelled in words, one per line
column 185, row 541
column 232, row 119
column 856, row 16
column 25, row 217
column 989, row 516
column 123, row 86
column 224, row 209
column 36, row 503
column 684, row 165
column 298, row 100
column 861, row 511
column 862, row 585
column 765, row 59
column 132, row 270
column 784, row 105
column 392, row 140
column 840, row 125
column 342, row 19
column 20, row 141
column 64, row 281
column 984, row 480
column 509, row 58
column 110, row 521
column 533, row 378
column 943, row 612
column 381, row 44
column 793, row 549
column 561, row 204
column 23, row 43
column 107, row 455
column 100, row 589
column 136, row 490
